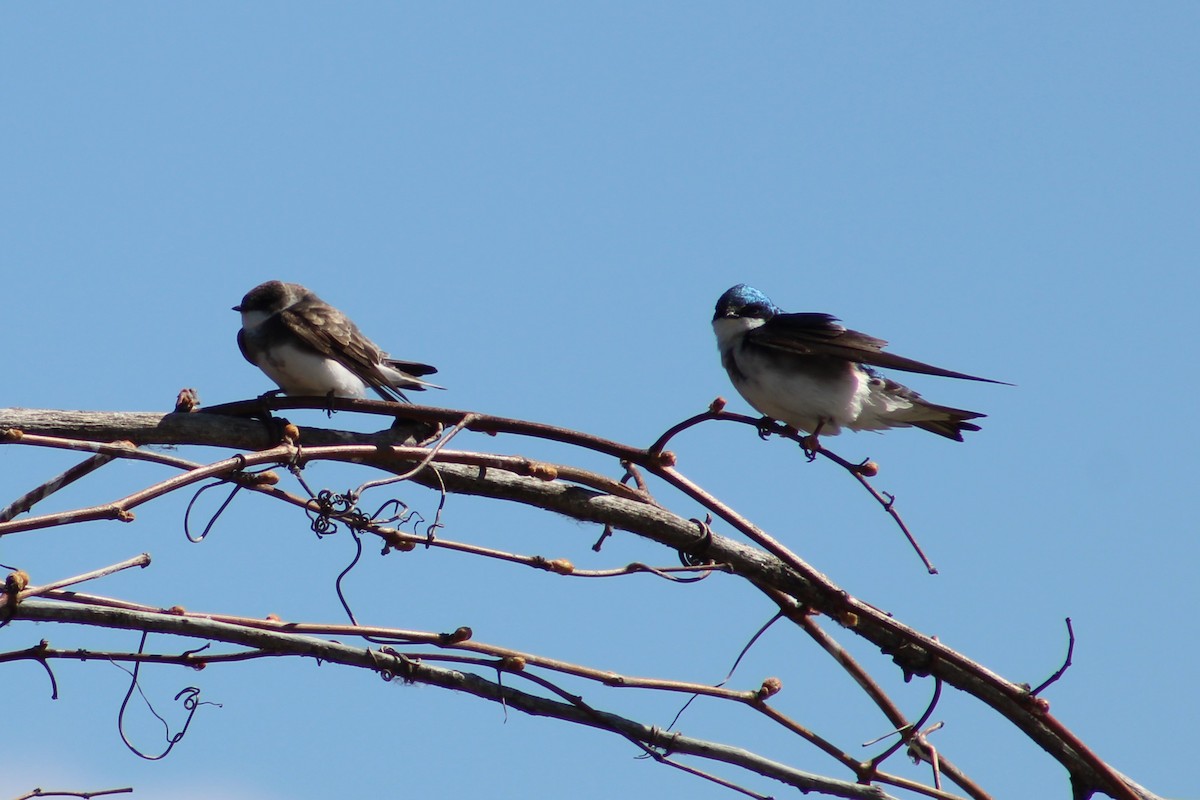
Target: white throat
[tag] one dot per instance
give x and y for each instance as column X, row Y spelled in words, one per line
column 252, row 319
column 729, row 329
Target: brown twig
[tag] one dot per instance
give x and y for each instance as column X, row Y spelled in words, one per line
column 1058, row 673
column 292, row 643
column 67, row 793
column 67, row 477
column 495, row 655
column 861, row 471
column 873, row 690
column 142, row 560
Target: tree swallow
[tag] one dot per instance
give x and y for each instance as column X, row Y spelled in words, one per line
column 308, row 347
column 810, row 372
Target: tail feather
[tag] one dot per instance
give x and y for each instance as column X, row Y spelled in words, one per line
column 388, row 378
column 411, row 367
column 950, row 422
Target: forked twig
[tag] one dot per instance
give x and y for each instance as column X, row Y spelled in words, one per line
column 862, row 471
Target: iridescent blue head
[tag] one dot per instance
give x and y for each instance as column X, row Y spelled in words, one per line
column 745, row 302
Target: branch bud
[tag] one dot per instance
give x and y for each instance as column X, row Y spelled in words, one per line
column 770, row 687
column 16, row 582
column 186, row 401
column 513, row 663
column 717, row 405
column 462, row 634
column 560, row 565
column 868, row 469
column 268, row 478
column 1039, row 705
column 395, row 540
column 543, row 472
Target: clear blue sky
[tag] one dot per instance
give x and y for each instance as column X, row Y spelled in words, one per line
column 545, row 200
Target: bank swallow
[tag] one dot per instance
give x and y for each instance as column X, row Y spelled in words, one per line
column 810, row 372
column 308, row 347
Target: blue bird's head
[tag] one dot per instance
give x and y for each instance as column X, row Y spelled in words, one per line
column 745, row 302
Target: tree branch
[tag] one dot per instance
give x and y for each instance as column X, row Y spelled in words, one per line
column 516, row 479
column 392, row 664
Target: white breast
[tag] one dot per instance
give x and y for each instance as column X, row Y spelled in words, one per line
column 769, row 382
column 303, row 372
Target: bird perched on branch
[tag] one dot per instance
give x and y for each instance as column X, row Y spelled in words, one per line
column 810, row 372
column 308, row 347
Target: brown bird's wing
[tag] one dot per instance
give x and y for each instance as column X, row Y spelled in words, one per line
column 822, row 335
column 331, row 333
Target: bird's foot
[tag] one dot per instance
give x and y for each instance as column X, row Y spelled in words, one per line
column 276, row 427
column 279, row 430
column 263, row 410
column 812, row 443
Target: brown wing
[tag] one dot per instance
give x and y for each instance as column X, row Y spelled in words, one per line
column 823, row 335
column 332, row 334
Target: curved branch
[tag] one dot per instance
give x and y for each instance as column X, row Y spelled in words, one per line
column 777, row 569
column 411, row 670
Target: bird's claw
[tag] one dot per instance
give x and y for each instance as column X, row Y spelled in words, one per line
column 812, row 442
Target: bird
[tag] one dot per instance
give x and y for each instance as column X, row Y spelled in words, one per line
column 810, row 372
column 308, row 347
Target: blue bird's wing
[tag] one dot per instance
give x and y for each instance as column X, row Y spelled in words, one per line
column 823, row 336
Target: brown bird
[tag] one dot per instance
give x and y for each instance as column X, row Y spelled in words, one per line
column 309, row 347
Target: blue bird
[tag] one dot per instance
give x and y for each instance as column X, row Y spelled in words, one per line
column 810, row 372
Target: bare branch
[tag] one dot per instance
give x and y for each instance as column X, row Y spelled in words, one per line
column 142, row 560
column 30, row 498
column 411, row 670
column 67, row 793
column 777, row 571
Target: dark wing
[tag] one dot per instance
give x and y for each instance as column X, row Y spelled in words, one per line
column 411, row 367
column 331, row 333
column 241, row 337
column 821, row 335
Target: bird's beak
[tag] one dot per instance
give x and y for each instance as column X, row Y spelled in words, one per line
column 237, row 308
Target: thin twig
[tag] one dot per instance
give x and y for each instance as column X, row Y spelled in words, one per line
column 67, row 793
column 67, row 477
column 142, row 560
column 424, row 462
column 860, row 471
column 1066, row 662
